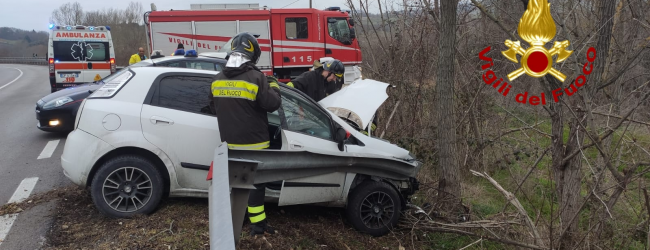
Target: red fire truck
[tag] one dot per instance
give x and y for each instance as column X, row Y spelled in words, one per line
column 291, row 39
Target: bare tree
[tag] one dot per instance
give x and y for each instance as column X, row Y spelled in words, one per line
column 68, row 14
column 448, row 176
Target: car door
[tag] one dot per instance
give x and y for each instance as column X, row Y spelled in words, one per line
column 309, row 128
column 177, row 119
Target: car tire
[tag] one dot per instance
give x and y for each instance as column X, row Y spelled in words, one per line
column 127, row 185
column 374, row 208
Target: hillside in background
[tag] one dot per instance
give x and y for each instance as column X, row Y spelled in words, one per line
column 17, row 42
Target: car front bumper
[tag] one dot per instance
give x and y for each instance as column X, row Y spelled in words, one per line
column 65, row 115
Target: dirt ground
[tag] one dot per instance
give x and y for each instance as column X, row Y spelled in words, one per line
column 182, row 223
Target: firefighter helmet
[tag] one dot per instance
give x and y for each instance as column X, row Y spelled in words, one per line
column 246, row 44
column 335, row 66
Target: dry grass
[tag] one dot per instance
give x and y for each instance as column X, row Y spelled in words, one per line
column 79, row 225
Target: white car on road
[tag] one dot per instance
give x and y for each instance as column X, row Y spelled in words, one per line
column 149, row 132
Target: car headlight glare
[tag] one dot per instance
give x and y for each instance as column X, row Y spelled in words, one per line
column 58, row 102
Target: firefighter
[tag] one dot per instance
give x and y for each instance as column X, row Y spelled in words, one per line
column 242, row 97
column 319, row 83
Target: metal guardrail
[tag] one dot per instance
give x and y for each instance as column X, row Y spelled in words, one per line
column 24, row 60
column 31, row 60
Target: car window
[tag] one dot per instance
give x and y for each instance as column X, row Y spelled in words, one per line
column 186, row 93
column 180, row 64
column 303, row 117
column 203, row 65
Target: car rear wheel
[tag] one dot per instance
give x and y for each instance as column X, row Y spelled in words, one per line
column 374, row 208
column 127, row 185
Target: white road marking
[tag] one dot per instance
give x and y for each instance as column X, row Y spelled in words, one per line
column 24, row 190
column 6, row 221
column 21, row 74
column 48, row 150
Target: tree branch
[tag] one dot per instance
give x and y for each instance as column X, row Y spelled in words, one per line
column 616, row 116
column 607, row 134
column 494, row 18
column 625, row 67
column 513, row 200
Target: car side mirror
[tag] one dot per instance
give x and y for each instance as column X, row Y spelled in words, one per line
column 341, row 137
column 353, row 34
column 351, row 21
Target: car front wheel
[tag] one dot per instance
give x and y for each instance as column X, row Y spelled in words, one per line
column 374, row 208
column 127, row 185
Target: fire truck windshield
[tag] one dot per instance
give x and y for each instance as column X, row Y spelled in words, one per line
column 338, row 29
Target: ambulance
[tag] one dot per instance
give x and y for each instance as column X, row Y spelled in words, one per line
column 291, row 40
column 79, row 54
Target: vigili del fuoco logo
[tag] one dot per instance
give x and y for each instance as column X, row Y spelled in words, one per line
column 537, row 28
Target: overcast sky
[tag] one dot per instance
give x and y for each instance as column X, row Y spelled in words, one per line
column 35, row 14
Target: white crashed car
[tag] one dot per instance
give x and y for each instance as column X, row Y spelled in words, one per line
column 149, row 133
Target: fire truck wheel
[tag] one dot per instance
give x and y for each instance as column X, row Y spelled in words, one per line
column 127, row 185
column 374, row 208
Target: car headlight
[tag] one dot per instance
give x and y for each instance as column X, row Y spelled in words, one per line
column 58, row 102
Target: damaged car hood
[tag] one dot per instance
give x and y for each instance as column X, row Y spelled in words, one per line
column 358, row 102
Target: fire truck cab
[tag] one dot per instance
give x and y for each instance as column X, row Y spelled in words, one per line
column 290, row 39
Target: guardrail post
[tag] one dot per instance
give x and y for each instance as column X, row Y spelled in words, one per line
column 234, row 177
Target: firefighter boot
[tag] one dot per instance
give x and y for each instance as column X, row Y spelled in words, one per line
column 261, row 228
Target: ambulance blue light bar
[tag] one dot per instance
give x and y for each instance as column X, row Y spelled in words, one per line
column 51, row 26
column 191, row 53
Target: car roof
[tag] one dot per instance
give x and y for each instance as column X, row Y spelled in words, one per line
column 173, row 58
column 161, row 70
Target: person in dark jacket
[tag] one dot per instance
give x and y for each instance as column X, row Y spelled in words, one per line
column 242, row 97
column 319, row 82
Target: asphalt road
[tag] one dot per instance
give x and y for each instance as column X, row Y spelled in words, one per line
column 21, row 144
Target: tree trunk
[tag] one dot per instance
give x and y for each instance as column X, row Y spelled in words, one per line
column 606, row 11
column 567, row 175
column 449, row 179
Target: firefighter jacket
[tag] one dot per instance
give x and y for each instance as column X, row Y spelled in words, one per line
column 242, row 97
column 313, row 84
